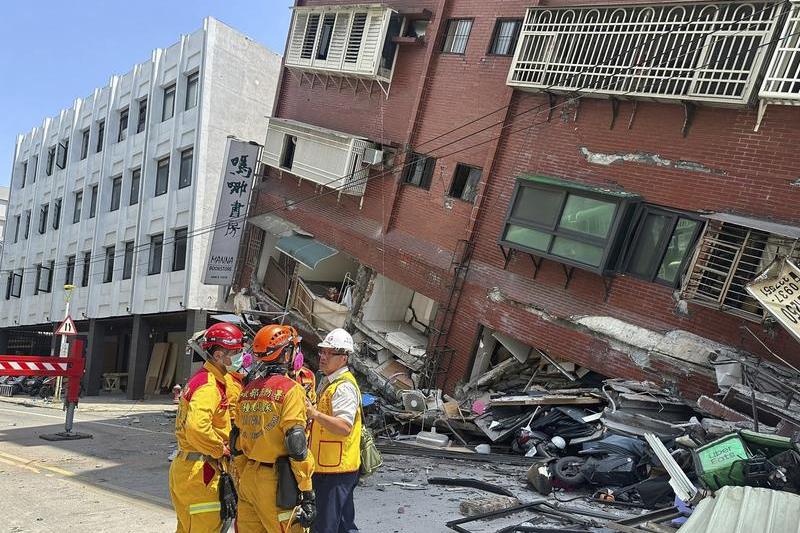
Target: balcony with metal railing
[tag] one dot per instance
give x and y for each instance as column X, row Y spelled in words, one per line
column 699, row 52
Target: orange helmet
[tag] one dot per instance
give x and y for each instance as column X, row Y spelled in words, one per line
column 271, row 340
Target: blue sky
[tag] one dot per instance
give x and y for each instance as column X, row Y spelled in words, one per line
column 53, row 51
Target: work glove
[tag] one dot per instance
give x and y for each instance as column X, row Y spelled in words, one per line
column 307, row 508
column 228, row 498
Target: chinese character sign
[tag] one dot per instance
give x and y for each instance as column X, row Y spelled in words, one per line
column 234, row 195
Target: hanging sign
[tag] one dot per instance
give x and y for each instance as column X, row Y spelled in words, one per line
column 232, row 202
column 777, row 289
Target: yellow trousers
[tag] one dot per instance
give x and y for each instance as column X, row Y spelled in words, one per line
column 193, row 487
column 257, row 512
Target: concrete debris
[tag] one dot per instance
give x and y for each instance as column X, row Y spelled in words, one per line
column 488, row 504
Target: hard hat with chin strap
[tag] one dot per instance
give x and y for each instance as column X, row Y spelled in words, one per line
column 270, row 341
column 339, row 340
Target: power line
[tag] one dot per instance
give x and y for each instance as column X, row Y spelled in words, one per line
column 213, row 227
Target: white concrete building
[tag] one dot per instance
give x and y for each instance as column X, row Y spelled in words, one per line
column 105, row 193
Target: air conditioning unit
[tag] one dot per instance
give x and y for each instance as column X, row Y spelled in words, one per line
column 373, row 156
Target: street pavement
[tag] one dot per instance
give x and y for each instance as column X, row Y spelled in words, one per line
column 117, row 481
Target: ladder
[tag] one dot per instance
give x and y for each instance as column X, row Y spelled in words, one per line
column 439, row 354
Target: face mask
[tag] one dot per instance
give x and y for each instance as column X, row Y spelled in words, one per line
column 297, row 363
column 236, row 362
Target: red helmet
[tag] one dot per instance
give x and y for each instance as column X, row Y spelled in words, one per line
column 224, row 335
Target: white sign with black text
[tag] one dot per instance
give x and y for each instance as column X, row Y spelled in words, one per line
column 234, row 197
column 777, row 289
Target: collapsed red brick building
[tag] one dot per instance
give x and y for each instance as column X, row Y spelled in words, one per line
column 595, row 182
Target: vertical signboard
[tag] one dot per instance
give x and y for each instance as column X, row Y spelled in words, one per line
column 234, row 196
column 777, row 289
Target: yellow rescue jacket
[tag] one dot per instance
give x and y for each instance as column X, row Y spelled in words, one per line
column 233, row 389
column 336, row 454
column 203, row 423
column 268, row 408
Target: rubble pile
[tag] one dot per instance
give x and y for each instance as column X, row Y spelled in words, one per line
column 636, row 455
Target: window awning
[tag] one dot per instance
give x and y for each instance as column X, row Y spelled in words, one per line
column 784, row 230
column 307, row 251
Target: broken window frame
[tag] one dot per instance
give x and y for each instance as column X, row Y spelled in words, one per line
column 466, row 179
column 658, row 254
column 14, row 288
column 610, row 245
column 61, row 158
column 721, row 267
column 419, row 170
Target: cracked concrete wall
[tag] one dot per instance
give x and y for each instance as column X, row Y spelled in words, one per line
column 655, row 160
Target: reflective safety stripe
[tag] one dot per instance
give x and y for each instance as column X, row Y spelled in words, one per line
column 206, row 507
column 284, row 516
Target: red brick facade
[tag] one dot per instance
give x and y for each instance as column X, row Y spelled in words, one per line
column 409, row 234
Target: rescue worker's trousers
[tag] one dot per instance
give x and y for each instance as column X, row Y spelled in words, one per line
column 257, row 512
column 194, row 489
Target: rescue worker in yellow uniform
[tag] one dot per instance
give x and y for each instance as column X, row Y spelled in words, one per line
column 234, row 380
column 272, row 424
column 336, row 436
column 202, row 428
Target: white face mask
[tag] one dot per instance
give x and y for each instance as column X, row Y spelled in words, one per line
column 236, row 362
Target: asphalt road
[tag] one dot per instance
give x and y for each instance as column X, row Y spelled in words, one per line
column 117, row 481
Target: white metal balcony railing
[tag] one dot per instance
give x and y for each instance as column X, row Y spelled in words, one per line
column 346, row 41
column 782, row 82
column 695, row 52
column 326, row 157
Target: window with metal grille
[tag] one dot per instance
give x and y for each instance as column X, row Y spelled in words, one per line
column 419, row 170
column 701, row 52
column 310, row 36
column 568, row 222
column 661, row 244
column 465, row 182
column 162, row 176
column 108, row 271
column 456, row 36
column 504, row 37
column 782, row 81
column 727, row 258
column 354, row 40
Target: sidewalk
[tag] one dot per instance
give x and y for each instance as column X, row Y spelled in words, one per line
column 104, row 403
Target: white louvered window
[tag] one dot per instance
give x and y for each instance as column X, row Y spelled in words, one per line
column 347, row 41
column 727, row 258
column 782, row 83
column 708, row 52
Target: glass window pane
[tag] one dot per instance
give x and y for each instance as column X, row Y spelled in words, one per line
column 587, row 215
column 581, row 252
column 538, row 206
column 643, row 258
column 531, row 238
column 679, row 245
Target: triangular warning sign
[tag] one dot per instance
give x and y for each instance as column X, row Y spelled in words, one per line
column 67, row 327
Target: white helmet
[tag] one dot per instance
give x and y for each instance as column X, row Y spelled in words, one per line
column 338, row 339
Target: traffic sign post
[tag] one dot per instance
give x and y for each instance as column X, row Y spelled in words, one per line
column 66, row 328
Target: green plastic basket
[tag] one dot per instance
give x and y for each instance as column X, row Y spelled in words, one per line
column 721, row 462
